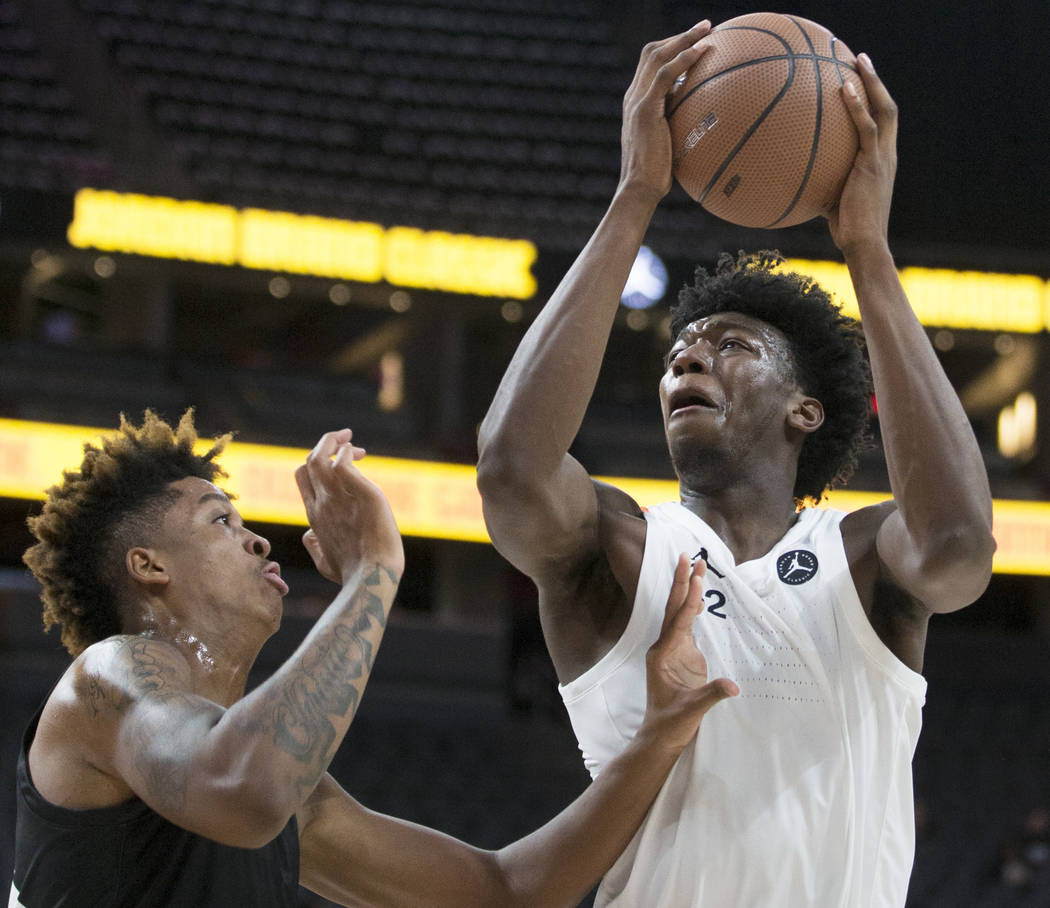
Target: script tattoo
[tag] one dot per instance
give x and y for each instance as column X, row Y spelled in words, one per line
column 146, row 673
column 328, row 680
column 138, row 673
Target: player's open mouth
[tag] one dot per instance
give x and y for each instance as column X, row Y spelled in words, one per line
column 682, row 400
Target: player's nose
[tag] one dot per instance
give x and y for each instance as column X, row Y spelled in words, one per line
column 694, row 358
column 256, row 544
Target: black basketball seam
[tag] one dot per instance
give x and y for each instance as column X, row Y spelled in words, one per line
column 816, row 125
column 839, row 64
column 820, row 58
column 790, row 57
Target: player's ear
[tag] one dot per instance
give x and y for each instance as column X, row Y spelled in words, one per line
column 806, row 414
column 145, row 566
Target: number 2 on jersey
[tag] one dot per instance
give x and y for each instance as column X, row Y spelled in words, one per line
column 718, row 600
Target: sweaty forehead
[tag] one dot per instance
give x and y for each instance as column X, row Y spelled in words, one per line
column 724, row 321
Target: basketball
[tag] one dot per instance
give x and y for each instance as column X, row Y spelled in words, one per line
column 761, row 135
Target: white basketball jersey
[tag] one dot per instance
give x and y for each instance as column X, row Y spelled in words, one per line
column 797, row 793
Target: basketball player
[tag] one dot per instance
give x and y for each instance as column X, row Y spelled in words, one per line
column 799, row 791
column 150, row 778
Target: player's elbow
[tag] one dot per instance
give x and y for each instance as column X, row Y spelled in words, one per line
column 496, row 465
column 248, row 815
column 267, row 817
column 501, row 477
column 252, row 828
column 957, row 566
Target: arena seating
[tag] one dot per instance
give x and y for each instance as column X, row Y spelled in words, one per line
column 45, row 143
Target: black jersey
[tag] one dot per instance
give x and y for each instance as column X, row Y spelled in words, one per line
column 128, row 855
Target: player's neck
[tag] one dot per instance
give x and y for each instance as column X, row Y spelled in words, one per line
column 750, row 521
column 219, row 659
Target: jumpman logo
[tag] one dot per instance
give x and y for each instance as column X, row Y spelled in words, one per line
column 797, row 566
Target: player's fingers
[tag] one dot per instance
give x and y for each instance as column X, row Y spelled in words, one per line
column 677, row 594
column 306, row 486
column 883, row 107
column 694, row 600
column 344, row 473
column 715, row 692
column 347, row 454
column 867, row 130
column 319, row 460
column 679, row 618
column 327, row 444
column 668, row 76
column 656, row 54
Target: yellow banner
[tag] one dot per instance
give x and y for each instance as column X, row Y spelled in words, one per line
column 435, row 500
column 302, row 244
column 944, row 298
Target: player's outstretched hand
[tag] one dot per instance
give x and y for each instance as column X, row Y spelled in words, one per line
column 679, row 694
column 645, row 134
column 863, row 214
column 351, row 524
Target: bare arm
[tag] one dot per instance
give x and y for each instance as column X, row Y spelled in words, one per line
column 937, row 545
column 237, row 775
column 539, row 503
column 357, row 857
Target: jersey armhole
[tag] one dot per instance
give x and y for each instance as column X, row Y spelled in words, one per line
column 880, row 656
column 639, row 631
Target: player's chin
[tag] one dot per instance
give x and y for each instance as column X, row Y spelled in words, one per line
column 685, row 436
column 692, row 456
column 275, row 612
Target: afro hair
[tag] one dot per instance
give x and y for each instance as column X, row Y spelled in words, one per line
column 827, row 350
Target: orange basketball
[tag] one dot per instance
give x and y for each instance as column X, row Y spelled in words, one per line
column 760, row 131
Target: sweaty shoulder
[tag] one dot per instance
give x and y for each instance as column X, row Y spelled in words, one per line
column 70, row 758
column 585, row 603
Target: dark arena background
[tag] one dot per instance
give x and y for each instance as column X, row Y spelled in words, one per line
column 297, row 215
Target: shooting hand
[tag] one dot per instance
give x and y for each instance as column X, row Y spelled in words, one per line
column 351, row 524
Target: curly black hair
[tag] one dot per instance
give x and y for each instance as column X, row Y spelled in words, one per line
column 827, row 350
column 114, row 501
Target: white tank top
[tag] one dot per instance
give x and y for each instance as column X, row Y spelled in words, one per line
column 798, row 792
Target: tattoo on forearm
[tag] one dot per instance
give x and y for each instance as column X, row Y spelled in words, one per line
column 328, row 680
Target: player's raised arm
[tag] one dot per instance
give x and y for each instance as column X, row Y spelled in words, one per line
column 938, row 544
column 539, row 503
column 355, row 856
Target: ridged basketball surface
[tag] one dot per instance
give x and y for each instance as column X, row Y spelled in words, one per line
column 760, row 131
